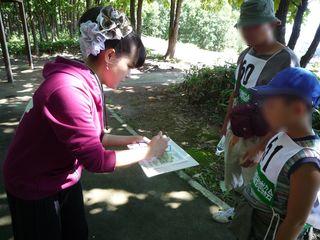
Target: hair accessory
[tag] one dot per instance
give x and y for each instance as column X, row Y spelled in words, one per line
column 110, row 25
column 91, row 39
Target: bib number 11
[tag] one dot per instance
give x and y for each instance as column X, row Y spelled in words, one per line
column 273, row 150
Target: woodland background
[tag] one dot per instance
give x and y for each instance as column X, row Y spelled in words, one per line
column 209, row 24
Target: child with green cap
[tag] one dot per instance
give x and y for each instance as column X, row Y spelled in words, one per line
column 282, row 201
column 261, row 61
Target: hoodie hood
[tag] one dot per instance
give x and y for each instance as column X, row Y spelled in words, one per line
column 67, row 66
column 62, row 70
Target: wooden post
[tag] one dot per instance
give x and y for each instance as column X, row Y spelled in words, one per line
column 25, row 33
column 5, row 52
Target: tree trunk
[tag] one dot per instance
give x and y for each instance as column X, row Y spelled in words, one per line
column 297, row 24
column 53, row 30
column 282, row 15
column 16, row 19
column 133, row 14
column 139, row 17
column 88, row 4
column 44, row 27
column 175, row 14
column 40, row 31
column 171, row 23
column 4, row 48
column 33, row 29
column 311, row 50
column 74, row 19
column 6, row 23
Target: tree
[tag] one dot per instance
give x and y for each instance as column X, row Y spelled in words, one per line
column 32, row 26
column 312, row 49
column 282, row 14
column 139, row 17
column 88, row 4
column 175, row 13
column 297, row 24
column 133, row 13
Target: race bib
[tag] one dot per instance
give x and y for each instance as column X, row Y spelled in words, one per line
column 278, row 151
column 251, row 69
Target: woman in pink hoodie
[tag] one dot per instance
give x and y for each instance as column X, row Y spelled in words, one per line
column 63, row 131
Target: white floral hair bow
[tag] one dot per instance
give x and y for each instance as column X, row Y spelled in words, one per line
column 111, row 25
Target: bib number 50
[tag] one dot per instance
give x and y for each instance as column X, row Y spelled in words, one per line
column 246, row 72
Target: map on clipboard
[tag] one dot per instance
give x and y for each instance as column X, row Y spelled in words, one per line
column 175, row 158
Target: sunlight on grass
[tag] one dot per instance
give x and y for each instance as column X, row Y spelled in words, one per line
column 28, row 85
column 15, row 100
column 8, row 130
column 115, row 107
column 213, row 209
column 95, row 211
column 25, row 90
column 3, row 196
column 9, row 124
column 133, row 77
column 5, row 220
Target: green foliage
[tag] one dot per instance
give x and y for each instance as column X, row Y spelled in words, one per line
column 209, row 85
column 155, row 20
column 316, row 121
column 208, row 28
column 214, row 86
column 292, row 7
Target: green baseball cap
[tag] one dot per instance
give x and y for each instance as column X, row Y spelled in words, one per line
column 256, row 12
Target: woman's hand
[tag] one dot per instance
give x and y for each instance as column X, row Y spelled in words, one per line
column 157, row 146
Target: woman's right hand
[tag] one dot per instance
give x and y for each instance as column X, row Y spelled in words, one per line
column 157, row 146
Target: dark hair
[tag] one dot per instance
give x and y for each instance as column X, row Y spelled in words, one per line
column 125, row 46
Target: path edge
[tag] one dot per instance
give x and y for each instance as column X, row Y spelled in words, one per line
column 193, row 183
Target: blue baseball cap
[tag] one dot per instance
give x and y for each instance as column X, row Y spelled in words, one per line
column 293, row 81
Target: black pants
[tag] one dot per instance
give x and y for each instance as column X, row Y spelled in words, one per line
column 58, row 217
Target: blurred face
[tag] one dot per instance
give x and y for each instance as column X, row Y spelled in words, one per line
column 113, row 68
column 279, row 113
column 258, row 35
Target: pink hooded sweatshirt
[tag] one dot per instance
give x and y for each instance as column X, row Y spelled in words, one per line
column 60, row 135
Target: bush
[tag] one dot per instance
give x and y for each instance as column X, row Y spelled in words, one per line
column 213, row 86
column 210, row 85
column 155, row 18
column 17, row 46
column 212, row 30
